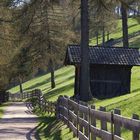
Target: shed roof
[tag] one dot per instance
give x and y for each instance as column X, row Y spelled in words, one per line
column 104, row 55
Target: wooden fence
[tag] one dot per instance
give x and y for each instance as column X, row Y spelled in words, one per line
column 24, row 95
column 4, row 97
column 40, row 100
column 84, row 120
column 43, row 104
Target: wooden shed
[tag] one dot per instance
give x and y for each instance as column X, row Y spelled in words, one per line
column 110, row 69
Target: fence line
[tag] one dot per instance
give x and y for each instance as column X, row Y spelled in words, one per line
column 82, row 120
column 40, row 100
column 4, row 97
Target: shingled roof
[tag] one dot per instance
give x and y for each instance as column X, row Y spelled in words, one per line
column 104, row 55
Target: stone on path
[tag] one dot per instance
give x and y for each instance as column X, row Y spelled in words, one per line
column 18, row 123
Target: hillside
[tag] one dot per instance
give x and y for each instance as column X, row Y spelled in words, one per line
column 133, row 26
column 128, row 103
column 64, row 77
column 64, row 86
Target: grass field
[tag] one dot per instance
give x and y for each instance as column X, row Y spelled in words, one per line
column 65, row 82
column 133, row 25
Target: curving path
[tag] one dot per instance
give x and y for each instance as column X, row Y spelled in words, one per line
column 18, row 123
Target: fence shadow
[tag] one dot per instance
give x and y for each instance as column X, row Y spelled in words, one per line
column 49, row 127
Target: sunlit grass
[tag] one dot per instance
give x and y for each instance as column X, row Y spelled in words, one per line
column 49, row 128
column 64, row 78
column 133, row 26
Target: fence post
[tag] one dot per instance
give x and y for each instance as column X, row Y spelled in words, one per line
column 117, row 127
column 77, row 119
column 93, row 122
column 48, row 107
column 57, row 108
column 103, row 123
column 89, row 116
column 86, row 117
column 81, row 116
column 135, row 132
column 67, row 106
column 45, row 106
column 112, row 124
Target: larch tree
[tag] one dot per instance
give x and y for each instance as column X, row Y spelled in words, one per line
column 8, row 47
column 45, row 25
column 85, row 93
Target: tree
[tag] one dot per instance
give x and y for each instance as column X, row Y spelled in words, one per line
column 85, row 93
column 22, row 66
column 124, row 25
column 45, row 26
column 8, row 47
column 102, row 20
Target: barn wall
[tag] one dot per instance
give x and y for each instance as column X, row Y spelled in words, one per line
column 109, row 81
column 77, row 80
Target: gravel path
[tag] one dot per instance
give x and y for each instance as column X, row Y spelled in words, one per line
column 18, row 123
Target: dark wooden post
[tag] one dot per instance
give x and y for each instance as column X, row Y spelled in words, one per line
column 68, row 113
column 117, row 127
column 81, row 116
column 93, row 122
column 112, row 124
column 103, row 123
column 77, row 77
column 86, row 117
column 58, row 108
column 135, row 132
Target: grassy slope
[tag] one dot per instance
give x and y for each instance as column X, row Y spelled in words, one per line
column 64, row 84
column 133, row 27
column 51, row 129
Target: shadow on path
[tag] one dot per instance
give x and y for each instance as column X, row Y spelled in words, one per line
column 18, row 123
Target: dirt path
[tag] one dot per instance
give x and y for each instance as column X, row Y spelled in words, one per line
column 18, row 123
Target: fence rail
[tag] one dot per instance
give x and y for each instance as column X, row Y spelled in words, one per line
column 83, row 120
column 41, row 102
column 4, row 97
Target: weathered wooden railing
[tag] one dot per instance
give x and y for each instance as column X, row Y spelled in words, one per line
column 24, row 95
column 83, row 120
column 4, row 97
column 44, row 105
column 40, row 101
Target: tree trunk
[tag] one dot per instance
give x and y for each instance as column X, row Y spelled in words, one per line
column 103, row 37
column 97, row 38
column 52, row 74
column 20, row 85
column 85, row 93
column 107, row 35
column 124, row 26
